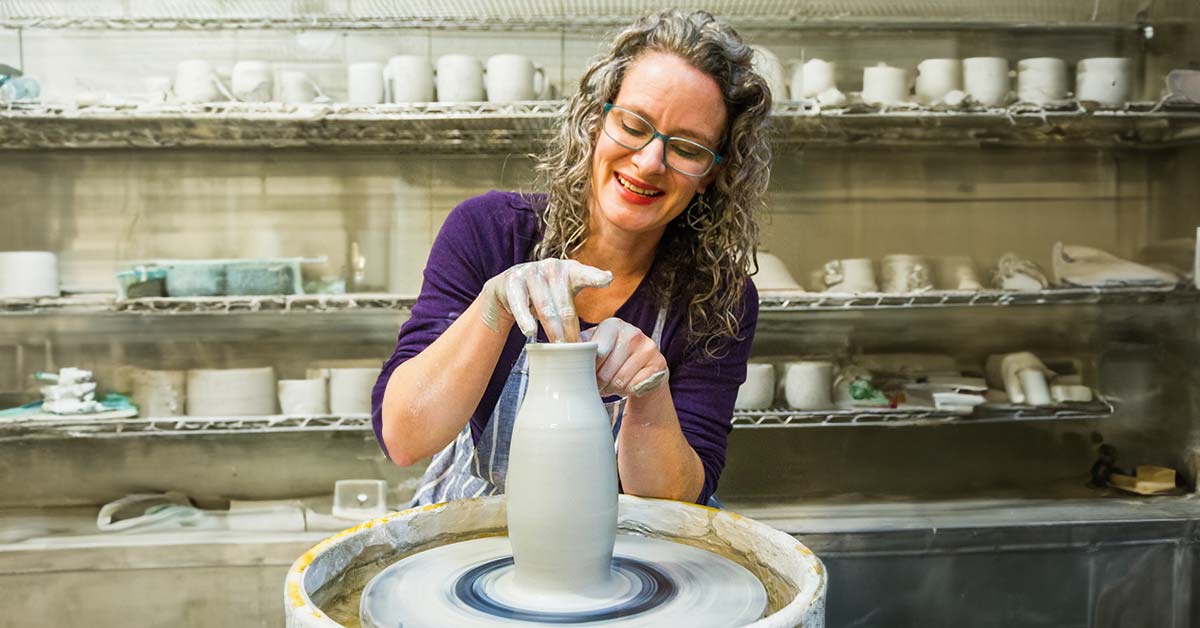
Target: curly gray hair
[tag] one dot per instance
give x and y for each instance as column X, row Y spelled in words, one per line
column 707, row 252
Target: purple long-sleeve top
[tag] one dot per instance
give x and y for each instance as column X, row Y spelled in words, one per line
column 488, row 234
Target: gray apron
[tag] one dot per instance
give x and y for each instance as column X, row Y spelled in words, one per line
column 464, row 469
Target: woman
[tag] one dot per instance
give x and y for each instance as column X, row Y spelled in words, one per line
column 646, row 228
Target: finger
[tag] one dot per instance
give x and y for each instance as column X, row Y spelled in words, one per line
column 516, row 298
column 622, row 349
column 605, row 338
column 583, row 276
column 544, row 308
column 647, row 381
column 639, row 359
column 564, row 302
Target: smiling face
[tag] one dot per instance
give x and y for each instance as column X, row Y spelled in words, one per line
column 634, row 192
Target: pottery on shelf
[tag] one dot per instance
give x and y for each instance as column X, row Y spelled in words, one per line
column 1076, row 265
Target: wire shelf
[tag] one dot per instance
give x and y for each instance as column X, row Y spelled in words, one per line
column 1120, row 295
column 571, row 14
column 890, row 417
column 82, row 427
column 487, row 128
column 86, row 304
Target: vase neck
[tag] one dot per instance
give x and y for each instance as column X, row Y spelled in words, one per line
column 562, row 364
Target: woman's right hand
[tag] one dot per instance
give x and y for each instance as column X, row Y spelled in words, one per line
column 544, row 289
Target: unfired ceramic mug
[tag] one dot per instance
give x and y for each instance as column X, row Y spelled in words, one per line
column 253, row 81
column 1106, row 80
column 758, row 391
column 296, row 87
column 904, row 273
column 1041, row 80
column 808, row 384
column 812, row 77
column 364, row 83
column 850, row 275
column 350, row 390
column 936, row 78
column 408, row 78
column 985, row 79
column 303, row 396
column 512, row 77
column 884, row 85
column 197, row 82
column 459, row 79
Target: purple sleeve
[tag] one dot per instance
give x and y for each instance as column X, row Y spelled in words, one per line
column 463, row 254
column 704, row 390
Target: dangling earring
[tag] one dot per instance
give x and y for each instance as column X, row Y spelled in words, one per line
column 698, row 213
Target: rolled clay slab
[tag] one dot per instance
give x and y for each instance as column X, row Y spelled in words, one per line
column 231, row 392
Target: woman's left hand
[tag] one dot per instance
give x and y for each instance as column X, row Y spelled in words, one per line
column 628, row 363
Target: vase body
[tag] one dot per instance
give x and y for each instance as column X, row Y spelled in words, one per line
column 562, row 475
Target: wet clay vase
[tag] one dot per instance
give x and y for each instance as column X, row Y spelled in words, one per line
column 562, row 476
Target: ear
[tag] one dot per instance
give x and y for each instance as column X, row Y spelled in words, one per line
column 707, row 181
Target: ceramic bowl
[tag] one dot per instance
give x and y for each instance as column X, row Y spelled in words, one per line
column 758, row 391
column 231, row 392
column 28, row 274
column 773, row 275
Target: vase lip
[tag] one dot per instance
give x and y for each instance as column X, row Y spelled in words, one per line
column 562, row 346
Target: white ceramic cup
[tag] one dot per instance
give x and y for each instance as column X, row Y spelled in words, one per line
column 812, row 77
column 985, row 79
column 884, row 85
column 231, row 392
column 1041, row 80
column 158, row 393
column 303, row 396
column 768, row 66
column 1106, row 80
column 758, row 391
column 253, row 81
column 364, row 83
column 296, row 87
column 197, row 82
column 904, row 273
column 350, row 390
column 773, row 274
column 808, row 384
column 157, row 89
column 511, row 77
column 849, row 275
column 459, row 79
column 936, row 78
column 956, row 272
column 408, row 78
column 28, row 274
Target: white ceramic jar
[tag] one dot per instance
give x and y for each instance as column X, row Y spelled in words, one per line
column 936, row 78
column 985, row 79
column 1041, row 80
column 884, row 85
column 28, row 274
column 562, row 476
column 1105, row 80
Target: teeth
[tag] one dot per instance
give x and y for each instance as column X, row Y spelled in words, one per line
column 633, row 188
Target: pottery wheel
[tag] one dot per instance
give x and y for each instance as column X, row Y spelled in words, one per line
column 655, row 583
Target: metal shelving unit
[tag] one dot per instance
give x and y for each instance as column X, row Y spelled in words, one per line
column 569, row 14
column 775, row 303
column 82, row 427
column 897, row 417
column 482, row 128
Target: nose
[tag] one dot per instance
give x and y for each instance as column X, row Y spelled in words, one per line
column 650, row 158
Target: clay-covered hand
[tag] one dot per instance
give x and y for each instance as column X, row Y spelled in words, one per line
column 540, row 291
column 628, row 363
column 1011, row 367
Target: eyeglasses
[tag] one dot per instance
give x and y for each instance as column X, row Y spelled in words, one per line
column 635, row 133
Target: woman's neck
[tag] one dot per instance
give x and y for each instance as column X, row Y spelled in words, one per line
column 624, row 254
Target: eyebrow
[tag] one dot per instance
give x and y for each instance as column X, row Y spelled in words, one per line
column 689, row 134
